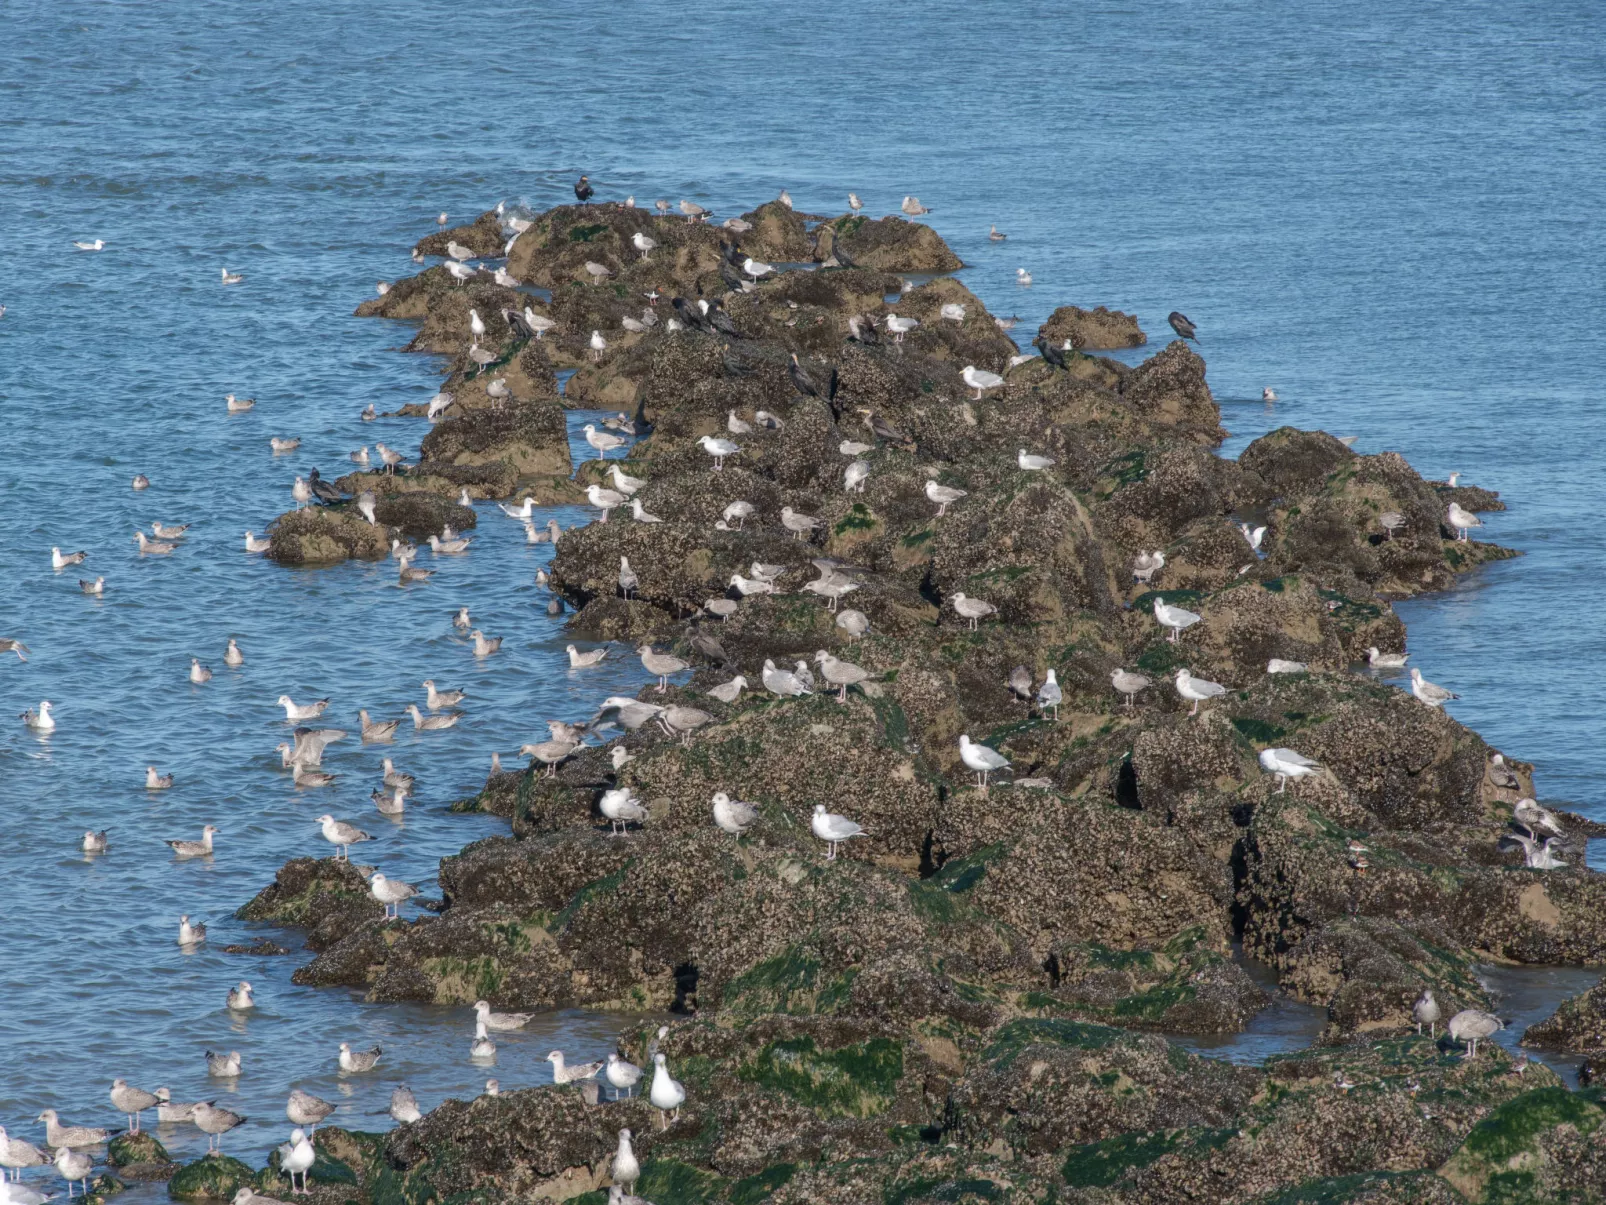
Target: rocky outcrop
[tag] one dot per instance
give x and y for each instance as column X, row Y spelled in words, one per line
column 889, row 244
column 1092, row 330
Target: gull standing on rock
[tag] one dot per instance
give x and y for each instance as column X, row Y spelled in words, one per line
column 719, row 449
column 1470, row 1026
column 1197, row 689
column 622, row 809
column 833, row 830
column 1286, row 764
column 842, row 674
column 782, row 682
column 404, row 1105
column 980, row 380
column 1128, row 684
column 1032, row 463
column 17, row 1155
column 1462, row 521
column 1049, row 695
column 305, row 1109
column 732, row 815
column 1174, row 618
column 1536, row 819
column 391, row 893
column 1426, row 1011
column 1147, row 564
column 603, row 441
column 981, row 759
column 801, row 526
column 972, row 609
column 666, row 1093
column 944, row 496
column 603, row 499
column 625, row 1169
column 341, row 835
column 661, row 665
column 131, row 1102
column 1428, row 692
column 1536, row 855
column 296, row 1158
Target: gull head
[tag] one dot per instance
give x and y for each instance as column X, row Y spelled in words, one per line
column 326, row 818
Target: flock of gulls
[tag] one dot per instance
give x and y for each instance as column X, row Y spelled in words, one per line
column 66, row 1146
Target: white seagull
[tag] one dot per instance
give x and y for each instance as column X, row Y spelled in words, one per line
column 833, row 830
column 1197, row 689
column 981, row 759
column 1174, row 618
column 1286, row 764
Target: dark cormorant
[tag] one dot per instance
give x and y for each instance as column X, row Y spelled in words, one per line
column 1180, row 323
column 583, row 191
column 1054, row 355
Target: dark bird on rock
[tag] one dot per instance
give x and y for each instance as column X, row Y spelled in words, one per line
column 1054, row 355
column 862, row 330
column 801, row 380
column 732, row 277
column 1180, row 323
column 322, row 490
column 885, row 430
column 692, row 315
column 583, row 191
column 721, row 321
column 641, row 428
column 515, row 323
column 710, row 648
column 731, row 253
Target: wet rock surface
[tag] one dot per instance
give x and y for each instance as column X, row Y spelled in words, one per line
column 970, row 1000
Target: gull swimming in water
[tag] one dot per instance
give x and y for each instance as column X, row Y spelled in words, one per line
column 1430, row 693
column 1197, row 689
column 254, row 543
column 141, row 482
column 224, row 1066
column 169, row 1110
column 439, row 700
column 60, row 559
column 481, row 1047
column 96, row 589
column 58, row 1135
column 131, row 1102
column 1023, row 278
column 199, row 674
column 980, row 380
column 621, row 808
column 392, row 802
column 1471, row 1026
column 1462, row 521
column 448, row 547
column 240, row 998
column 1286, row 764
column 232, row 656
column 341, row 835
column 1385, row 660
column 1174, row 618
column 195, row 849
column 579, row 660
column 391, row 893
column 97, row 245
column 661, row 665
column 944, row 496
column 972, row 609
column 484, row 646
column 188, row 934
column 238, row 405
column 1032, row 463
column 782, row 682
column 95, row 843
column 1147, row 564
column 305, row 1109
column 232, row 278
column 432, row 723
column 981, row 759
column 500, row 1022
column 357, row 1061
column 41, row 720
column 833, row 830
column 732, row 815
column 294, row 711
column 375, row 732
column 301, row 776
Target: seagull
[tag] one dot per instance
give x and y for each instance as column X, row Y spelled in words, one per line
column 95, row 843
column 994, row 234
column 944, row 496
column 481, row 1047
column 238, row 405
column 693, row 211
column 1180, row 323
column 1426, row 1011
column 1048, row 695
column 484, row 646
column 913, row 207
column 341, row 835
column 60, row 559
column 1278, row 666
column 131, row 1102
column 1197, row 689
column 391, row 893
column 448, row 547
column 58, row 1135
column 1500, row 774
column 1536, row 819
column 1023, row 278
column 224, row 1066
column 738, row 511
column 1389, row 521
column 597, row 272
column 1253, row 534
column 356, row 1061
column 232, row 278
column 301, row 776
column 1147, row 564
column 579, row 660
column 41, row 720
column 799, row 525
column 603, row 441
column 640, row 513
column 369, row 414
column 1032, row 463
column 549, row 753
column 756, row 268
column 17, row 1155
column 305, row 1109
column 1385, row 660
column 500, row 1022
column 1462, row 521
column 661, row 665
column 732, row 815
column 972, row 609
column 188, row 934
column 155, row 781
column 782, row 682
column 833, row 830
column 141, row 482
column 623, row 482
column 564, row 1073
column 72, row 1166
column 9, row 645
column 1469, row 1026
column 404, row 1105
column 296, row 1157
column 1174, row 618
column 294, row 711
column 841, row 674
column 232, row 656
column 642, row 243
column 621, row 808
column 855, row 475
column 719, row 449
column 979, row 380
column 440, row 700
column 432, row 723
column 1536, row 855
column 195, row 849
column 900, row 326
column 240, row 997
column 683, row 721
column 981, row 759
column 1286, row 764
column 1428, row 692
column 199, row 674
column 97, row 245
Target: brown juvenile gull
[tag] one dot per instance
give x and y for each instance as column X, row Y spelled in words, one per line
column 1020, row 683
column 404, row 1105
column 224, row 1066
column 854, row 623
column 563, row 1073
column 661, row 665
column 195, row 849
column 799, row 525
column 305, row 1109
column 16, row 1155
column 169, row 1110
column 188, row 934
column 440, row 700
column 549, row 753
column 680, row 721
column 972, row 609
column 58, row 1135
column 131, row 1102
column 729, row 692
column 841, row 674
column 376, row 732
column 155, row 781
column 1470, row 1026
column 304, row 777
column 724, row 608
column 1536, row 819
column 1128, row 684
column 390, row 802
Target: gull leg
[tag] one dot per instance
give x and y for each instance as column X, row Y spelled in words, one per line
column 1195, row 710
